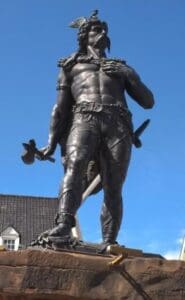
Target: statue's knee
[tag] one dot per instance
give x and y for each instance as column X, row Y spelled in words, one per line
column 113, row 191
column 75, row 164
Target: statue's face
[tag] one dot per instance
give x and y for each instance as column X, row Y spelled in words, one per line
column 97, row 36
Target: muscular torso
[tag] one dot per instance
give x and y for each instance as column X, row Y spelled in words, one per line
column 100, row 81
column 89, row 83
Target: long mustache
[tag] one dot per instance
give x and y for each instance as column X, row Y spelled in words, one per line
column 101, row 36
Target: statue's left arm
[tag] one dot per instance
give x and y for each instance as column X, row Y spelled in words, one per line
column 137, row 89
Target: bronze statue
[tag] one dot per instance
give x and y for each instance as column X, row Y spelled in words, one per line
column 92, row 123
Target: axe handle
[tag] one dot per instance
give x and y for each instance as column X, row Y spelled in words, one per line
column 51, row 159
column 39, row 155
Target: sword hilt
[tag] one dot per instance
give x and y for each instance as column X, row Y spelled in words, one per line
column 136, row 140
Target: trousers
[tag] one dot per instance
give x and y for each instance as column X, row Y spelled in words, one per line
column 104, row 131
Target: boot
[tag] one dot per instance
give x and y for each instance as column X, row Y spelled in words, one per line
column 64, row 222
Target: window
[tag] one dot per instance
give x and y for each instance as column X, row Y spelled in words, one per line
column 10, row 239
column 9, row 244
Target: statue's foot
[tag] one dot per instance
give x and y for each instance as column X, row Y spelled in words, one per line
column 57, row 237
column 107, row 245
column 60, row 230
column 60, row 237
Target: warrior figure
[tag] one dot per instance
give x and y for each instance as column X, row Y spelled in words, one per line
column 92, row 122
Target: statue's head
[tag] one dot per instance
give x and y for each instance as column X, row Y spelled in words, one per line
column 92, row 32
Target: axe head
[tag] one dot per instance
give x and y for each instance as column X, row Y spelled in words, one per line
column 28, row 157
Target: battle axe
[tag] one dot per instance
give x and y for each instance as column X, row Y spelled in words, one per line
column 31, row 152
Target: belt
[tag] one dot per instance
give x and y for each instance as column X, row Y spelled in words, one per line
column 99, row 107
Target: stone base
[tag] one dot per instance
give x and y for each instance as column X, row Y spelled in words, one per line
column 49, row 275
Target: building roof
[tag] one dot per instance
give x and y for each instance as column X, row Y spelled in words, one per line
column 29, row 215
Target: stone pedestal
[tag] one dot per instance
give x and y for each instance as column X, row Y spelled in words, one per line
column 49, row 275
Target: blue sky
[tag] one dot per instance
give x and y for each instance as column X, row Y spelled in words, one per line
column 150, row 36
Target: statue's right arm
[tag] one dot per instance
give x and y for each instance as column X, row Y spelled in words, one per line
column 60, row 114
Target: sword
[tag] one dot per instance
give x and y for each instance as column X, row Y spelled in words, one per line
column 136, row 141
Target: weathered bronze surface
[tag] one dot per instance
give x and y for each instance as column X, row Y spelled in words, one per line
column 92, row 123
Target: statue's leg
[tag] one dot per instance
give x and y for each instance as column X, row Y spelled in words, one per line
column 114, row 164
column 80, row 147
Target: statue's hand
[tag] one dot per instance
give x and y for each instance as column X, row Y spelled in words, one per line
column 46, row 152
column 112, row 68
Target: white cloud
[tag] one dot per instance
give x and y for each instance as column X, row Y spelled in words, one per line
column 172, row 254
column 179, row 241
column 175, row 254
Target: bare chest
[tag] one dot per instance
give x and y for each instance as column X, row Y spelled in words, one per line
column 85, row 68
column 91, row 73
